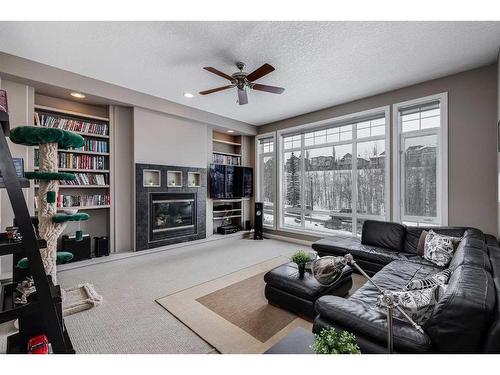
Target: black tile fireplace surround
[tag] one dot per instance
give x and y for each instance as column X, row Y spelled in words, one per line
column 167, row 215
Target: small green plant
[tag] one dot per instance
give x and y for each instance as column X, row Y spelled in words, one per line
column 330, row 341
column 300, row 258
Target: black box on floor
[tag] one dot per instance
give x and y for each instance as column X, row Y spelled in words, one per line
column 101, row 246
column 79, row 249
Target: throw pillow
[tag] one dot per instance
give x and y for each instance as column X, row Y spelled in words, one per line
column 440, row 278
column 421, row 243
column 418, row 304
column 438, row 248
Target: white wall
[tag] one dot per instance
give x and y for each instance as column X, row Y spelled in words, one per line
column 168, row 140
column 21, row 101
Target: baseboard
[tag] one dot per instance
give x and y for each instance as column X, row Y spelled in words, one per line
column 288, row 239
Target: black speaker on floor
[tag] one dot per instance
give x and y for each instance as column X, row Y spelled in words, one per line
column 79, row 249
column 101, row 246
column 248, row 226
column 259, row 213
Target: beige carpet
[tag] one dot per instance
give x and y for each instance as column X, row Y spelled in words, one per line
column 231, row 312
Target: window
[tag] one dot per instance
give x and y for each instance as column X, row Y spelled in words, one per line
column 421, row 168
column 322, row 187
column 265, row 177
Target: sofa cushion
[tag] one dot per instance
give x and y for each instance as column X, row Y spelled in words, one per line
column 440, row 278
column 342, row 245
column 465, row 254
column 383, row 234
column 462, row 315
column 438, row 248
column 413, row 234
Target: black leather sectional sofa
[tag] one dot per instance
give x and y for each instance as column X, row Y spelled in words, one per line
column 466, row 318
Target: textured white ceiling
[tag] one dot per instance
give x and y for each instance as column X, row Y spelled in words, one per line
column 320, row 64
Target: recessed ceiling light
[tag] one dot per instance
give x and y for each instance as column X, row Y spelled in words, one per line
column 77, row 95
column 230, row 131
column 188, row 95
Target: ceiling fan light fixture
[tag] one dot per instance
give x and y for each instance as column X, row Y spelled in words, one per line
column 188, row 95
column 230, row 131
column 77, row 95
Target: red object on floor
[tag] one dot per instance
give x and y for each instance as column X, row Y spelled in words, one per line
column 38, row 345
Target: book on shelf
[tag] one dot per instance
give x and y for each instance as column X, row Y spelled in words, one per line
column 85, row 200
column 226, row 159
column 56, row 121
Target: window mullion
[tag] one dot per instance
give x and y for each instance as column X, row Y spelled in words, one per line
column 354, row 189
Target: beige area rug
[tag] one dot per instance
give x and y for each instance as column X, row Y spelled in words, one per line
column 80, row 298
column 231, row 313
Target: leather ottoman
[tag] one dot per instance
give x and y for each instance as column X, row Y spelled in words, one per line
column 285, row 289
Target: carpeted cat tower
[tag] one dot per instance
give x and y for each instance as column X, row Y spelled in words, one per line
column 51, row 224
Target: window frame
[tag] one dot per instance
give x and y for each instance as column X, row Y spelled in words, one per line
column 442, row 163
column 323, row 124
column 260, row 171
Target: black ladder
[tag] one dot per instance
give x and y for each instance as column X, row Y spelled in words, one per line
column 43, row 314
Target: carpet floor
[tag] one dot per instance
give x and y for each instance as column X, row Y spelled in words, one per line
column 129, row 320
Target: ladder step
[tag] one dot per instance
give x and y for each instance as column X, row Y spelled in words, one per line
column 7, row 247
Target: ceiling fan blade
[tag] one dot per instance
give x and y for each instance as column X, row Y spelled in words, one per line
column 242, row 97
column 272, row 89
column 215, row 90
column 260, row 72
column 219, row 73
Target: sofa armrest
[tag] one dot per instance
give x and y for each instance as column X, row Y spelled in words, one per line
column 368, row 321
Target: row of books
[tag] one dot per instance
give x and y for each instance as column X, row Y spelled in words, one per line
column 54, row 121
column 80, row 200
column 94, row 146
column 226, row 159
column 88, row 179
column 77, row 161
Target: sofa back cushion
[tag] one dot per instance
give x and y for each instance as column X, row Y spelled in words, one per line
column 413, row 234
column 383, row 234
column 470, row 252
column 463, row 314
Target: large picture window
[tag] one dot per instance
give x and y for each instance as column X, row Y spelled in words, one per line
column 323, row 188
column 266, row 177
column 421, row 169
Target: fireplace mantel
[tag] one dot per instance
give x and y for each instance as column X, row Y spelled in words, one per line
column 168, row 212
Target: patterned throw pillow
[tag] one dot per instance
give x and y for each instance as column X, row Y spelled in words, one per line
column 438, row 248
column 418, row 304
column 440, row 278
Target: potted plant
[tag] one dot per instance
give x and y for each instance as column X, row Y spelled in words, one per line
column 331, row 341
column 300, row 258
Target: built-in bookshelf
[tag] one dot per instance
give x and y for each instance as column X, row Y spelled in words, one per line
column 91, row 164
column 227, row 150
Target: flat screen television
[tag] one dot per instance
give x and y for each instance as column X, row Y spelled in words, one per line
column 230, row 181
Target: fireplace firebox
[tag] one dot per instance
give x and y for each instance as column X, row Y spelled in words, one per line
column 171, row 215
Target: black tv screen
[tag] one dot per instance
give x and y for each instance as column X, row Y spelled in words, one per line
column 230, row 181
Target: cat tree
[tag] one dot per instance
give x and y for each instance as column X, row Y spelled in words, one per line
column 51, row 224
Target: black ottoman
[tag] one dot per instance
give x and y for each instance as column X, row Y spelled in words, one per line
column 284, row 288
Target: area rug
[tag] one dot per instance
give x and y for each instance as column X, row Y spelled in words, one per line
column 80, row 298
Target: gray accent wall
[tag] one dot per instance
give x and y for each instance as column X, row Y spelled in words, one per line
column 473, row 111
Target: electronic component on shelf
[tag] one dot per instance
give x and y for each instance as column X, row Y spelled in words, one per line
column 228, row 229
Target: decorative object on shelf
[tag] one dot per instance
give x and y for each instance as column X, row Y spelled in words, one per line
column 300, row 258
column 328, row 269
column 331, row 341
column 70, row 211
column 19, row 165
column 13, row 234
column 51, row 224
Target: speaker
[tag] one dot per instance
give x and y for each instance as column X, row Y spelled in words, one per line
column 79, row 249
column 259, row 213
column 101, row 246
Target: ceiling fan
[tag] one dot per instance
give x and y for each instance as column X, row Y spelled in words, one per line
column 243, row 80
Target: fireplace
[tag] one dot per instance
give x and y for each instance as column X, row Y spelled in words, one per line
column 171, row 215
